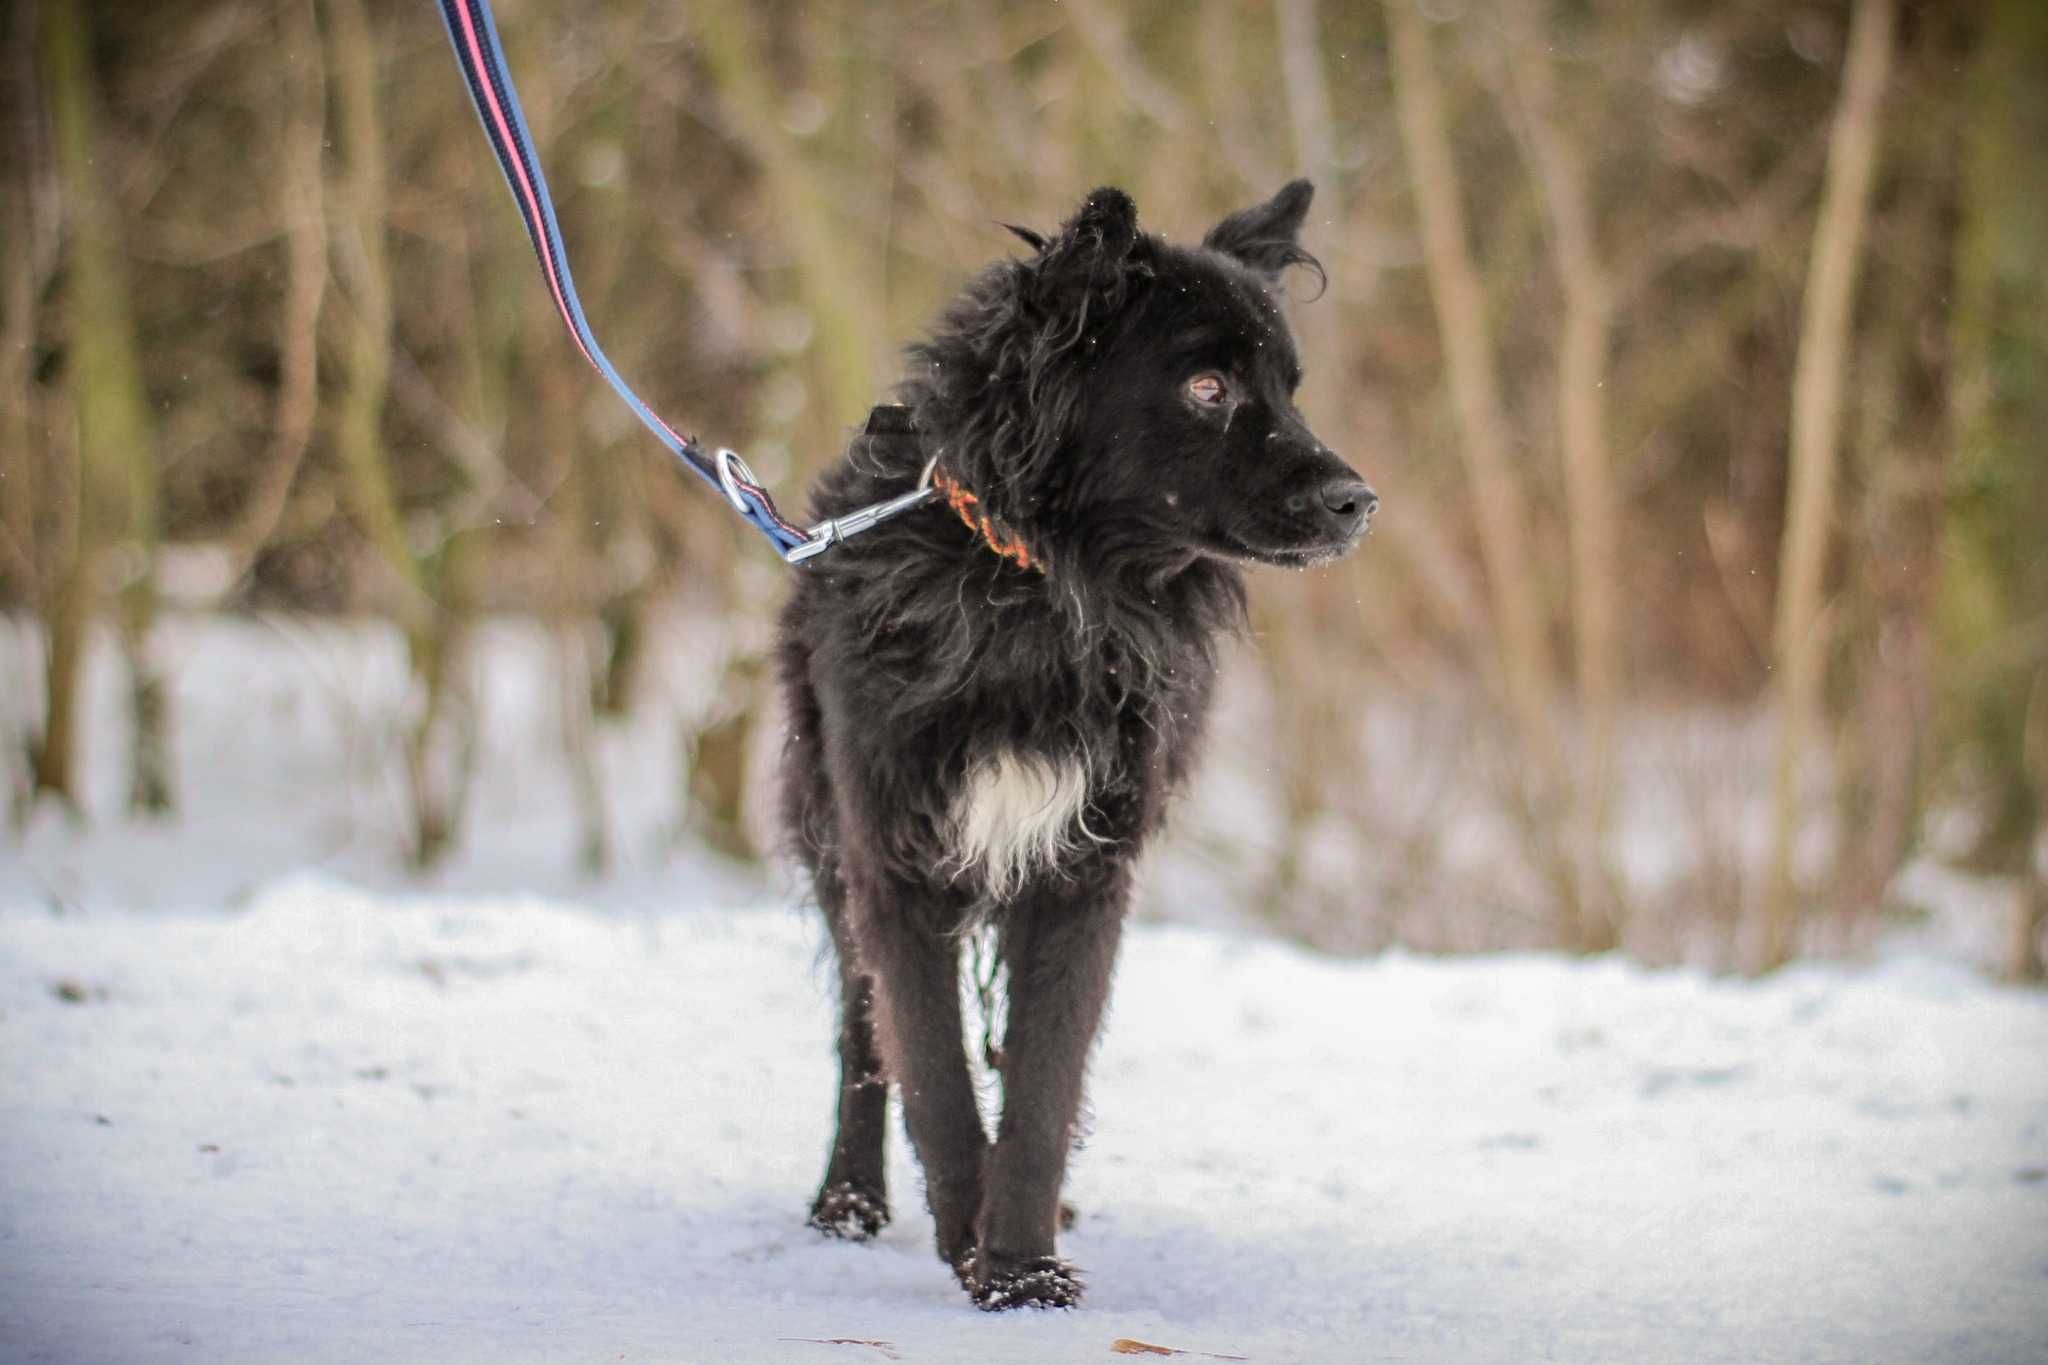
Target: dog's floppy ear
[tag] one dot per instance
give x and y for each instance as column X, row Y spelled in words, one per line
column 1002, row 381
column 1267, row 237
column 1094, row 244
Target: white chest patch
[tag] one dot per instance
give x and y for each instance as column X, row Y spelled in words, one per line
column 1017, row 814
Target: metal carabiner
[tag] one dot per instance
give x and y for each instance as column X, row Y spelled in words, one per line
column 832, row 530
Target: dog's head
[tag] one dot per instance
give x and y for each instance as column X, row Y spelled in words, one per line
column 1115, row 394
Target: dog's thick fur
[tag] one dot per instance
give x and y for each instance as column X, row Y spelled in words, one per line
column 976, row 740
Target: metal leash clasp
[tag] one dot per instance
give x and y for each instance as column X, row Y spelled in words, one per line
column 832, row 530
column 732, row 471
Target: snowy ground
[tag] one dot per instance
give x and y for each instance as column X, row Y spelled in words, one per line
column 264, row 1098
column 345, row 1127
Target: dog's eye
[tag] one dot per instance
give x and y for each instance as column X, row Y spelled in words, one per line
column 1208, row 389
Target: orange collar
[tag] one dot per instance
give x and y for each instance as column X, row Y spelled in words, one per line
column 966, row 506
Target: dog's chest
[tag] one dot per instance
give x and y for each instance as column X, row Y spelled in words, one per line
column 1092, row 783
column 1017, row 815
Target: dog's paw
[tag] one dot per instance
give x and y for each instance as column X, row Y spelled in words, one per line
column 850, row 1212
column 1039, row 1282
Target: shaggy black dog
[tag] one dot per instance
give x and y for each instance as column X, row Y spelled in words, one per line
column 993, row 697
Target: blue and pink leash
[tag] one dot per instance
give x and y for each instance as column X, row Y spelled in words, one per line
column 474, row 36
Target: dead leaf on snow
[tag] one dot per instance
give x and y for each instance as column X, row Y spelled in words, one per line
column 1128, row 1346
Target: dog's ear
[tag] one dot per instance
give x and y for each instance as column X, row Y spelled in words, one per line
column 1094, row 244
column 1267, row 237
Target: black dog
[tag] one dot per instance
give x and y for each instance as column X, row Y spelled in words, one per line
column 992, row 700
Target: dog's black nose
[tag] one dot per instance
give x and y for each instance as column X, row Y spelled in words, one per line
column 1349, row 502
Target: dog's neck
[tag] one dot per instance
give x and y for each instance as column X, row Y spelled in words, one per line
column 1187, row 597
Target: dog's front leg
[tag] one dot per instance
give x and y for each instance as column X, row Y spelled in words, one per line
column 917, row 999
column 1060, row 954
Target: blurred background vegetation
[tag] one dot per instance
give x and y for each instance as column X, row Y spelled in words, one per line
column 1699, row 351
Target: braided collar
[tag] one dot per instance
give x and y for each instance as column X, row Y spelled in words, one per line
column 994, row 534
column 897, row 420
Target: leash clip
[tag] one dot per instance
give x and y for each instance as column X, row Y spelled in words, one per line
column 832, row 530
column 733, row 475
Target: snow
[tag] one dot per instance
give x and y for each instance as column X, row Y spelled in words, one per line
column 343, row 1126
column 265, row 1097
column 288, row 739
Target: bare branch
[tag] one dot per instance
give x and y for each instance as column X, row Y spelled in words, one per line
column 1798, row 639
column 1744, row 225
column 1528, row 96
column 1458, row 294
column 303, row 212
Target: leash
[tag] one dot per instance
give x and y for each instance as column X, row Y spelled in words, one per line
column 474, row 35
